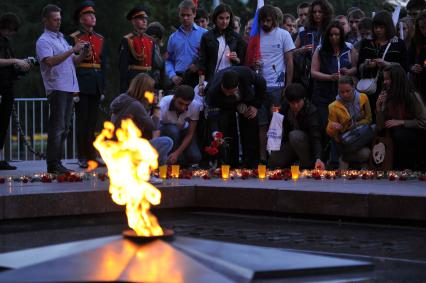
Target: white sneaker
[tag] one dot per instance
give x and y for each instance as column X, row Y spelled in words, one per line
column 155, row 180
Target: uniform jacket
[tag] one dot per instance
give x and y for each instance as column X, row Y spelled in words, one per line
column 137, row 53
column 91, row 71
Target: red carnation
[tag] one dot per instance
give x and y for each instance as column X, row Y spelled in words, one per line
column 214, row 151
column 215, row 144
column 60, row 178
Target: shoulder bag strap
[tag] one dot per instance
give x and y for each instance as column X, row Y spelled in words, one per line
column 383, row 57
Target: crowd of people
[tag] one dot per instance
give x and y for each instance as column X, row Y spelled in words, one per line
column 348, row 91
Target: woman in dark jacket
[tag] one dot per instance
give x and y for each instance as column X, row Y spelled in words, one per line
column 331, row 59
column 371, row 61
column 133, row 105
column 220, row 47
column 308, row 39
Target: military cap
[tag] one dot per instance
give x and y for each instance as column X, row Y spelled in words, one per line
column 137, row 11
column 85, row 7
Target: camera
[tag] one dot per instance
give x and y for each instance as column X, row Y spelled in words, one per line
column 32, row 61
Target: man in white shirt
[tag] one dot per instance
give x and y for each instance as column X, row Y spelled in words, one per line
column 57, row 61
column 179, row 117
column 276, row 66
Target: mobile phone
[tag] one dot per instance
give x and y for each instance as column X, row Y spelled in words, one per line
column 309, row 39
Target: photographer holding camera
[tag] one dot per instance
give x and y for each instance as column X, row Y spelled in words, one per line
column 9, row 68
column 57, row 68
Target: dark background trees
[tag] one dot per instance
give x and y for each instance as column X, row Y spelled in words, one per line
column 112, row 24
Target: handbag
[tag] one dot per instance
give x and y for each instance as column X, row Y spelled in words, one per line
column 369, row 86
column 355, row 139
column 381, row 158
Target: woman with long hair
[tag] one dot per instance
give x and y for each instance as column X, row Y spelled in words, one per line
column 134, row 105
column 350, row 110
column 220, row 47
column 400, row 109
column 381, row 50
column 332, row 59
column 417, row 55
column 320, row 15
column 310, row 36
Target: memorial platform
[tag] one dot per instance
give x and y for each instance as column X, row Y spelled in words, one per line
column 369, row 199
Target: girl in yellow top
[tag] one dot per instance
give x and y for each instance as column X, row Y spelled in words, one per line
column 349, row 110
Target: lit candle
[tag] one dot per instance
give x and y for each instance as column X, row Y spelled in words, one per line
column 225, row 172
column 175, row 171
column 295, row 172
column 163, row 172
column 261, row 170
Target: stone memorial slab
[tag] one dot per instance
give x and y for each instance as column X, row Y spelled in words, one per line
column 115, row 259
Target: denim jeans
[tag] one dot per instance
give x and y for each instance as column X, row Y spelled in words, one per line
column 61, row 106
column 163, row 145
column 191, row 154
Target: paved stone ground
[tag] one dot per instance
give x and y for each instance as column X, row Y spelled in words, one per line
column 398, row 252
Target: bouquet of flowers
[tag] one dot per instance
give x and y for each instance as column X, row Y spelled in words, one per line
column 218, row 149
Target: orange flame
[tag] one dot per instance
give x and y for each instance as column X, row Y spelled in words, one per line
column 149, row 96
column 91, row 165
column 130, row 160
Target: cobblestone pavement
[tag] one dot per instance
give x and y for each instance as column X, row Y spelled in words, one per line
column 398, row 252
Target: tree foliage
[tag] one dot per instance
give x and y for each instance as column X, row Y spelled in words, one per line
column 111, row 23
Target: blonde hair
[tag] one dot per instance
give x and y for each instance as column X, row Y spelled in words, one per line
column 139, row 85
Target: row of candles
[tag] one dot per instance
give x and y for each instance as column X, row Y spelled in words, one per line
column 225, row 171
column 262, row 173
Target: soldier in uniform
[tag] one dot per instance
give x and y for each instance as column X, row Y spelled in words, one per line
column 91, row 80
column 137, row 49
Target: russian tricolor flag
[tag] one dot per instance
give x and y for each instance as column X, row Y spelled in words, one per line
column 253, row 48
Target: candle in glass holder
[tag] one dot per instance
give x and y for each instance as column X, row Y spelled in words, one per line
column 295, row 172
column 175, row 171
column 163, row 172
column 261, row 171
column 225, row 172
